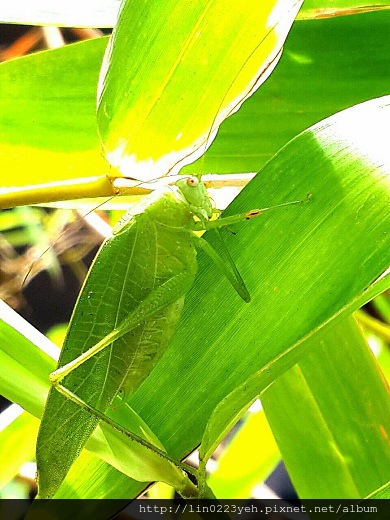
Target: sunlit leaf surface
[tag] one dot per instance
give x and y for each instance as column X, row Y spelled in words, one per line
column 200, row 58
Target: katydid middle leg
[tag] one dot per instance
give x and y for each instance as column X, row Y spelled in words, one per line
column 234, row 276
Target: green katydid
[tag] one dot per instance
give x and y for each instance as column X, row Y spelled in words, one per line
column 154, row 246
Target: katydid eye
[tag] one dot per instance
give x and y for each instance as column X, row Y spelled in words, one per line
column 192, row 181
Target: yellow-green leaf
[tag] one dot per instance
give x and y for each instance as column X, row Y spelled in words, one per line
column 188, row 66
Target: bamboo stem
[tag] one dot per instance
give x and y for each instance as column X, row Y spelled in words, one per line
column 102, row 186
column 55, row 191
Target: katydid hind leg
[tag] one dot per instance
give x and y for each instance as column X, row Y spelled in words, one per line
column 62, row 449
column 175, row 472
column 164, row 295
column 110, row 422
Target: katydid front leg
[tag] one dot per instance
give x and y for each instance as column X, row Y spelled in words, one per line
column 234, row 275
column 234, row 219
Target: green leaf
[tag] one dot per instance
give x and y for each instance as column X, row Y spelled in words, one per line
column 25, row 368
column 382, row 492
column 104, row 13
column 200, row 58
column 234, row 405
column 325, row 9
column 383, row 356
column 382, row 307
column 18, row 435
column 293, row 292
column 47, row 106
column 344, row 147
column 161, row 491
column 24, row 379
column 338, row 397
column 304, row 266
column 247, row 459
column 369, row 508
column 326, row 66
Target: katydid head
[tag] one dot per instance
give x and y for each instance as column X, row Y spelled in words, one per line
column 194, row 192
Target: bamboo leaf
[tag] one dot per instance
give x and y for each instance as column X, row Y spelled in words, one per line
column 200, row 58
column 341, row 144
column 338, row 397
column 382, row 492
column 25, row 380
column 247, row 460
column 323, row 9
column 48, row 115
column 104, row 13
column 18, row 435
column 25, row 369
column 326, row 66
column 367, row 507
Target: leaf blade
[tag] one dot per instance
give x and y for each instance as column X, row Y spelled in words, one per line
column 226, row 55
column 338, row 390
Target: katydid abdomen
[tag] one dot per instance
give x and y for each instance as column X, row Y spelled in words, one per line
column 149, row 249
